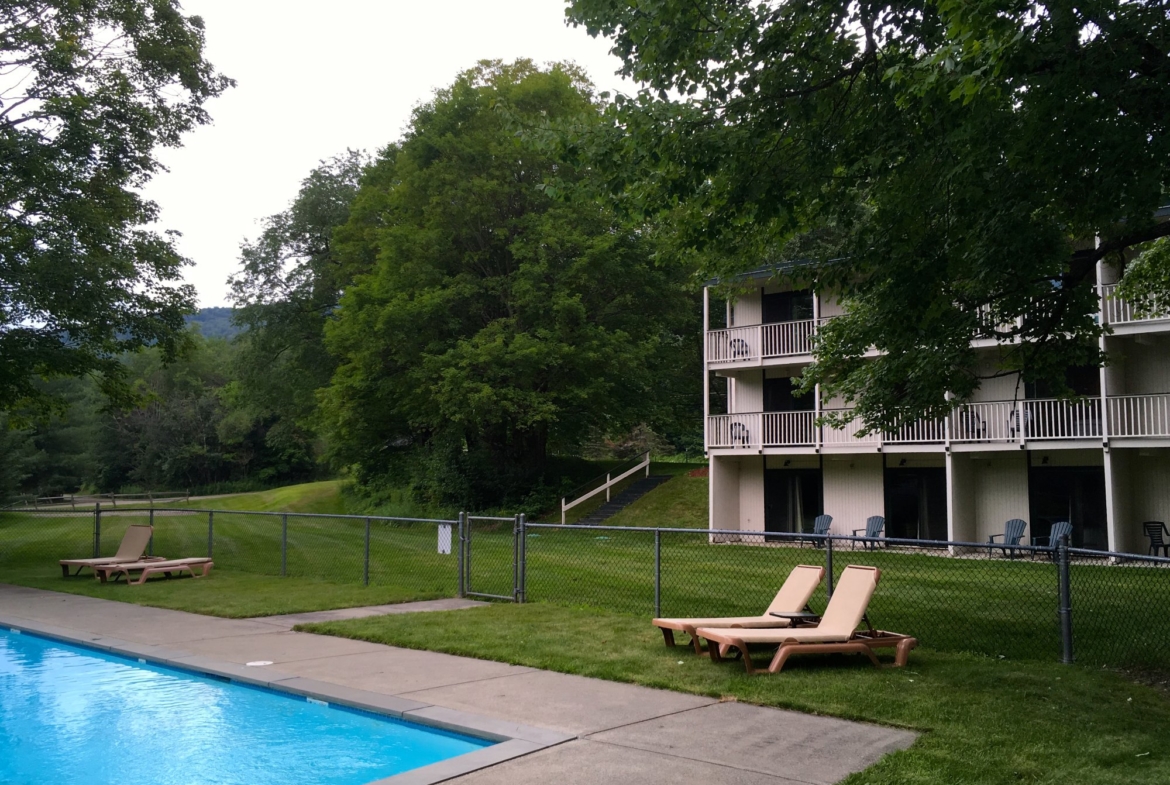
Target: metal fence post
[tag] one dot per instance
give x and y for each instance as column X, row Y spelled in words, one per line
column 1064, row 611
column 523, row 557
column 210, row 532
column 459, row 553
column 150, row 542
column 829, row 567
column 366, row 568
column 516, row 558
column 97, row 530
column 283, row 545
column 467, row 553
column 657, row 573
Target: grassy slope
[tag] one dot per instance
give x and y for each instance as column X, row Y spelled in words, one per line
column 984, row 720
column 324, row 497
column 679, row 503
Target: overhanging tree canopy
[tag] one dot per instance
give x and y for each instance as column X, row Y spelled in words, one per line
column 954, row 168
column 88, row 90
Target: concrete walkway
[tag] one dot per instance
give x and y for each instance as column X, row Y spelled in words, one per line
column 616, row 732
column 290, row 620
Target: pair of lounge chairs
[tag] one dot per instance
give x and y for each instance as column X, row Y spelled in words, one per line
column 131, row 558
column 793, row 629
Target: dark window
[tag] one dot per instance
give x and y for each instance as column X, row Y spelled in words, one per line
column 1081, row 379
column 793, row 498
column 780, row 396
column 916, row 503
column 787, row 306
column 1069, row 493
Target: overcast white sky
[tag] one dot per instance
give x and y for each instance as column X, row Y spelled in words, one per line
column 317, row 77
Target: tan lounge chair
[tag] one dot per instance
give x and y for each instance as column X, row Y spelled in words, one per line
column 791, row 599
column 112, row 571
column 131, row 549
column 837, row 631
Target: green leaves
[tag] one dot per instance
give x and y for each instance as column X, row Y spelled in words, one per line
column 932, row 160
column 500, row 312
column 97, row 86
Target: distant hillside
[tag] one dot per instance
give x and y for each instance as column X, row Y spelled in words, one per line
column 215, row 323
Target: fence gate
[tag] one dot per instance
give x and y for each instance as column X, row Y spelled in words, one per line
column 492, row 557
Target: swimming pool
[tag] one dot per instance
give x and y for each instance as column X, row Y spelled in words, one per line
column 68, row 712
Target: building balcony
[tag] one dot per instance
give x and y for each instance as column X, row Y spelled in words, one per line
column 751, row 346
column 985, row 425
column 772, row 344
column 1117, row 311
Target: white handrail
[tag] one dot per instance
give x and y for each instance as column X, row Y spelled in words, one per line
column 609, row 483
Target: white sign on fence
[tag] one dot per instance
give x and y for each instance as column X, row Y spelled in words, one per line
column 444, row 538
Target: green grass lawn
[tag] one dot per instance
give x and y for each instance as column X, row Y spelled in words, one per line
column 996, row 607
column 679, row 503
column 324, row 497
column 983, row 720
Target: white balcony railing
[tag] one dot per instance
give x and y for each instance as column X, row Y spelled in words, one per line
column 755, row 430
column 1003, row 422
column 761, row 341
column 1120, row 311
column 1139, row 415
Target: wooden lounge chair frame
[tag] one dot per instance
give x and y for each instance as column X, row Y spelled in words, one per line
column 773, row 617
column 857, row 642
column 130, row 550
column 110, row 572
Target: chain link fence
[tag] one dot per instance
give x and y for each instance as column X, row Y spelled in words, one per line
column 1023, row 602
column 397, row 552
column 952, row 596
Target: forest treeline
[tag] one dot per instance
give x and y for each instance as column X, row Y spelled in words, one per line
column 465, row 314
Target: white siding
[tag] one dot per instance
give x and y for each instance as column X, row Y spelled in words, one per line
column 1147, row 366
column 854, row 490
column 1002, row 388
column 749, row 392
column 960, row 498
column 1149, row 473
column 1000, row 491
column 751, row 493
column 1068, row 458
column 723, row 479
column 793, row 461
column 747, row 309
column 830, row 306
column 1119, row 501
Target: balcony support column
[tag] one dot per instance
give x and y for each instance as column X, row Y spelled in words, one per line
column 706, row 369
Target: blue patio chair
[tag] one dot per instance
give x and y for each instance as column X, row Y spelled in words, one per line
column 1059, row 529
column 1013, row 532
column 874, row 525
column 820, row 530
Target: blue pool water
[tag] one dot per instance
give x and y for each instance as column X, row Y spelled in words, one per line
column 70, row 714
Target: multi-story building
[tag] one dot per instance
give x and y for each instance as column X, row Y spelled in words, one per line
column 1101, row 461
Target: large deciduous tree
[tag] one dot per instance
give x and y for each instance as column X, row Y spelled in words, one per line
column 491, row 321
column 952, row 169
column 288, row 287
column 88, row 90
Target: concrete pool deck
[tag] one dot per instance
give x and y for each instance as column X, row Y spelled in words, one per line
column 560, row 728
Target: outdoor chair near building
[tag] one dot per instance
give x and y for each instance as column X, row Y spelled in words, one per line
column 740, row 350
column 1159, row 537
column 1013, row 532
column 874, row 526
column 836, row 630
column 789, row 604
column 821, row 525
column 1059, row 529
column 132, row 549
